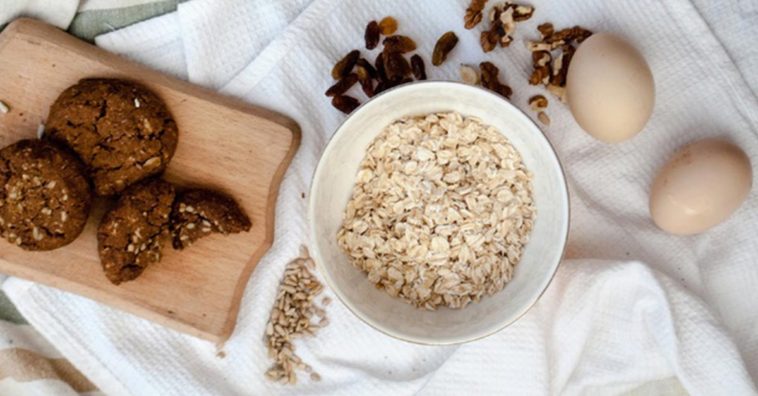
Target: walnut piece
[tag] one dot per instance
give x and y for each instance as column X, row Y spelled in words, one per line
column 473, row 14
column 551, row 56
column 538, row 102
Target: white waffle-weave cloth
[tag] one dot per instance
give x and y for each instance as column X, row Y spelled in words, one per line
column 632, row 309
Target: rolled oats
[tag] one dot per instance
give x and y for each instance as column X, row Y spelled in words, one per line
column 440, row 212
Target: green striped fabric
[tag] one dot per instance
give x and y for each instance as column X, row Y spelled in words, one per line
column 88, row 24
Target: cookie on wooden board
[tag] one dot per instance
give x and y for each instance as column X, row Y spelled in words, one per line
column 198, row 213
column 45, row 197
column 131, row 235
column 121, row 131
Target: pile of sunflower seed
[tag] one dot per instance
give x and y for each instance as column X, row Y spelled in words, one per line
column 295, row 314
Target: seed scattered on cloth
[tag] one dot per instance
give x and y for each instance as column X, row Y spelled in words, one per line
column 469, row 75
column 295, row 314
column 543, row 117
column 4, row 109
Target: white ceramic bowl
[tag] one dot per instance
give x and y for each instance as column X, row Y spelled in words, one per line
column 334, row 179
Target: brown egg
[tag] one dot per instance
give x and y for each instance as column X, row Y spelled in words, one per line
column 610, row 88
column 701, row 186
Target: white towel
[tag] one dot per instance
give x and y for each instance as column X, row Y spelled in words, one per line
column 604, row 326
column 58, row 13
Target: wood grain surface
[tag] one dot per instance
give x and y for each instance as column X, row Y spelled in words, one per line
column 224, row 144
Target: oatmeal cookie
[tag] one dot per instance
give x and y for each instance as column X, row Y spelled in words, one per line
column 45, row 197
column 131, row 235
column 198, row 213
column 122, row 132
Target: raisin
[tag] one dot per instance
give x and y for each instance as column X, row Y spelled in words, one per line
column 396, row 66
column 379, row 63
column 405, row 80
column 362, row 73
column 382, row 86
column 345, row 104
column 388, row 25
column 345, row 65
column 372, row 35
column 341, row 86
column 367, row 66
column 417, row 66
column 395, row 83
column 399, row 43
column 367, row 86
column 365, row 79
column 444, row 45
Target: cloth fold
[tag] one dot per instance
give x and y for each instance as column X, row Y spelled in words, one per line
column 603, row 327
column 58, row 13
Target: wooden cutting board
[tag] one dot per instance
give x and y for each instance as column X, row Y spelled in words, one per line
column 224, row 144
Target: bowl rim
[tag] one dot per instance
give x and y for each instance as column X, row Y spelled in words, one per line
column 316, row 252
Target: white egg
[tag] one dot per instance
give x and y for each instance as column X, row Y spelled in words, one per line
column 700, row 187
column 610, row 88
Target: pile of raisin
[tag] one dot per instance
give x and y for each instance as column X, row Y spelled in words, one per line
column 389, row 69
